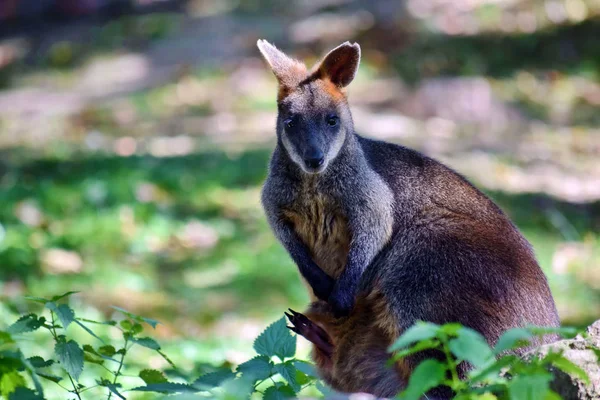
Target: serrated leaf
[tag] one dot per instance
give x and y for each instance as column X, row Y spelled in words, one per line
column 166, row 387
column 428, row 375
column 572, row 369
column 256, row 369
column 62, row 296
column 70, row 356
column 276, row 340
column 529, row 387
column 279, row 393
column 513, row 338
column 472, row 347
column 65, row 314
column 288, row 372
column 27, row 323
column 213, row 379
column 23, row 393
column 9, row 382
column 147, row 342
column 419, row 331
column 39, row 362
column 150, row 376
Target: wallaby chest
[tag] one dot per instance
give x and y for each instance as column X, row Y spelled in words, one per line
column 321, row 224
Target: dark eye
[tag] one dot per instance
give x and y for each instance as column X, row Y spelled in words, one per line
column 289, row 123
column 332, row 120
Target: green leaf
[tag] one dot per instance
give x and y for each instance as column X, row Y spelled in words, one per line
column 513, row 338
column 150, row 321
column 70, row 356
column 236, row 389
column 9, row 382
column 36, row 299
column 529, row 387
column 126, row 324
column 61, row 296
column 419, row 331
column 279, row 393
column 147, row 342
column 88, row 330
column 428, row 375
column 113, row 387
column 564, row 331
column 166, row 387
column 288, row 372
column 107, row 350
column 91, row 359
column 491, row 371
column 150, row 376
column 32, row 372
column 213, row 379
column 22, row 393
column 572, row 369
column 64, row 313
column 418, row 347
column 306, row 367
column 39, row 362
column 256, row 369
column 276, row 340
column 27, row 323
column 471, row 346
column 5, row 338
column 52, row 378
column 451, row 329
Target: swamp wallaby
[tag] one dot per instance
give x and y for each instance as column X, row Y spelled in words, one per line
column 383, row 235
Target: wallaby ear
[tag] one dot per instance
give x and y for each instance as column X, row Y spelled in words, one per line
column 287, row 70
column 340, row 64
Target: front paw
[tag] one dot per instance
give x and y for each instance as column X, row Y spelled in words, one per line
column 341, row 302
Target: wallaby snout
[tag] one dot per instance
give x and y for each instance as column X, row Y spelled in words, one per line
column 313, row 158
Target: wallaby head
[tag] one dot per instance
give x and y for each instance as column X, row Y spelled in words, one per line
column 313, row 114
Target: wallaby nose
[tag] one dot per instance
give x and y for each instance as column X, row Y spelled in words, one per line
column 314, row 159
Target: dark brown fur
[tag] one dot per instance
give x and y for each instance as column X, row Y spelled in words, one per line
column 385, row 236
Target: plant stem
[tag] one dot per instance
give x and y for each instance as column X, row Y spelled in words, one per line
column 120, row 366
column 455, row 380
column 53, row 332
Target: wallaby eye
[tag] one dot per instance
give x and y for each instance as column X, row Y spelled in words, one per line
column 289, row 123
column 332, row 120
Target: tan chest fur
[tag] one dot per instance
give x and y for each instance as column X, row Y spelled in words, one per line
column 322, row 226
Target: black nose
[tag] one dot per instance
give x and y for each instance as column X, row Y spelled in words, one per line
column 315, row 160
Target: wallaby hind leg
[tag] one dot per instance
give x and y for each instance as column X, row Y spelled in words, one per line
column 311, row 331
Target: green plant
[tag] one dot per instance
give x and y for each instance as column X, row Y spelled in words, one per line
column 496, row 374
column 274, row 372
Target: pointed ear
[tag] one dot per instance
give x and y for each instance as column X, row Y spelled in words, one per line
column 340, row 64
column 287, row 70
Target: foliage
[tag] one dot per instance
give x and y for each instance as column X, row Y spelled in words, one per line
column 274, row 372
column 496, row 373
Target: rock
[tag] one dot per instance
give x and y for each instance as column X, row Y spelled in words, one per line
column 580, row 351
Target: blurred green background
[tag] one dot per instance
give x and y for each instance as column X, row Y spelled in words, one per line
column 134, row 139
